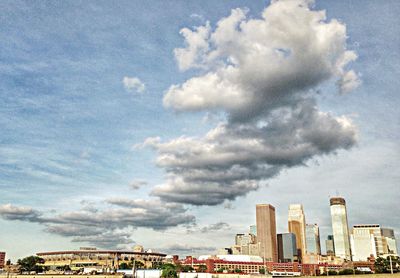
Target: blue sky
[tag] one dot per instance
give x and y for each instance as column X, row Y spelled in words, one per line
column 70, row 129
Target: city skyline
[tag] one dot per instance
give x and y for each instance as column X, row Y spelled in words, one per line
column 144, row 123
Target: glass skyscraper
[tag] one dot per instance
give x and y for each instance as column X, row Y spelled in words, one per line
column 340, row 228
column 287, row 249
column 312, row 239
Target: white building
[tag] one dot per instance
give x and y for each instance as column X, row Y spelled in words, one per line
column 366, row 240
column 340, row 228
column 371, row 239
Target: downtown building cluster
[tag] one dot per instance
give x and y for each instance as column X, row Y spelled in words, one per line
column 302, row 244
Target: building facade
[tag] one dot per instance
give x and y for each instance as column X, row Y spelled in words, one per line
column 287, row 249
column 253, row 230
column 330, row 246
column 266, row 232
column 297, row 226
column 2, row 259
column 340, row 228
column 389, row 241
column 313, row 242
column 366, row 241
column 372, row 240
column 99, row 259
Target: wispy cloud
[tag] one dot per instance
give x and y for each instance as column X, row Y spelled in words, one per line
column 104, row 226
column 133, row 84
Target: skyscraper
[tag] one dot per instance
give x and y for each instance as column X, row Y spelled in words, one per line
column 312, row 239
column 287, row 249
column 266, row 232
column 330, row 246
column 340, row 228
column 297, row 226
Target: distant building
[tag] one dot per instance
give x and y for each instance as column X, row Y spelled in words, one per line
column 2, row 259
column 266, row 232
column 287, row 249
column 340, row 228
column 99, row 259
column 245, row 244
column 371, row 239
column 244, row 239
column 312, row 239
column 330, row 246
column 389, row 241
column 297, row 226
column 246, row 264
column 253, row 230
column 366, row 240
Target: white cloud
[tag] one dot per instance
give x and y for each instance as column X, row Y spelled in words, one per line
column 263, row 73
column 133, row 84
column 348, row 82
column 257, row 64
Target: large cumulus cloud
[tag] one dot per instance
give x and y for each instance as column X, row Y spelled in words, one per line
column 263, row 74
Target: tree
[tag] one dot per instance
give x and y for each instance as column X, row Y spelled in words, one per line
column 31, row 264
column 202, row 268
column 346, row 271
column 237, row 270
column 382, row 265
column 332, row 272
column 186, row 268
column 221, row 269
column 124, row 266
column 262, row 270
column 169, row 271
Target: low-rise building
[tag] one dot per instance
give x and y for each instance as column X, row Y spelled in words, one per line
column 99, row 259
column 2, row 259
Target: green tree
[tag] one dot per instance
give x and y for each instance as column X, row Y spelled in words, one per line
column 31, row 263
column 237, row 270
column 221, row 269
column 346, row 272
column 382, row 265
column 262, row 270
column 169, row 271
column 124, row 265
column 202, row 268
column 186, row 268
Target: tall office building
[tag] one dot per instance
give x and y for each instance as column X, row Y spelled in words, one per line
column 330, row 246
column 340, row 228
column 266, row 232
column 287, row 249
column 297, row 226
column 312, row 239
column 389, row 241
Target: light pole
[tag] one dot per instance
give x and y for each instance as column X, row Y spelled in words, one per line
column 391, row 265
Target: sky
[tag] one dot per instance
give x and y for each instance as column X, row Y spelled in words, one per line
column 163, row 123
